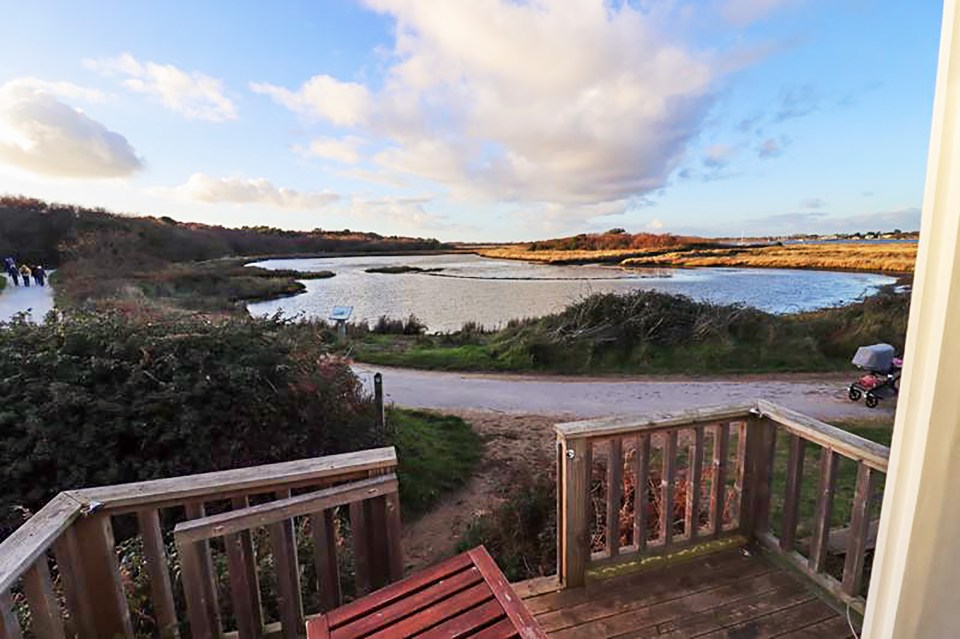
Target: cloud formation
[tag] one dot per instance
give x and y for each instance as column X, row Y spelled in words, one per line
column 572, row 103
column 343, row 150
column 770, row 148
column 239, row 190
column 745, row 12
column 194, row 95
column 41, row 134
column 812, row 203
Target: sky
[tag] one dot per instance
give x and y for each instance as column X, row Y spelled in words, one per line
column 475, row 120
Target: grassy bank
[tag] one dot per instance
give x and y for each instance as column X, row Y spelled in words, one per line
column 888, row 258
column 655, row 333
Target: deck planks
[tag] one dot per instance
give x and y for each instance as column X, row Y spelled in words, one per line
column 726, row 594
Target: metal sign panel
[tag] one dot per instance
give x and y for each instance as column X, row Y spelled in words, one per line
column 341, row 313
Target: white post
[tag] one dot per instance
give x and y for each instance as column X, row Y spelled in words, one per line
column 915, row 584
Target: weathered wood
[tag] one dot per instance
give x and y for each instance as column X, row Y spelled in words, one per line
column 641, row 495
column 821, row 519
column 791, row 500
column 79, row 623
column 694, row 479
column 202, row 612
column 241, row 481
column 575, row 513
column 618, row 426
column 840, row 441
column 96, row 560
column 9, row 626
column 161, row 592
column 376, row 515
column 324, row 531
column 25, row 544
column 274, row 511
column 361, row 546
column 667, row 486
column 246, row 606
column 394, row 538
column 614, row 495
column 505, row 596
column 718, row 492
column 740, row 476
column 859, row 530
column 378, row 405
column 206, row 580
column 283, row 543
column 46, row 620
column 246, row 552
column 753, row 440
column 766, row 453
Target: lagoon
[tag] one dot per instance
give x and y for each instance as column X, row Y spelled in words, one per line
column 491, row 292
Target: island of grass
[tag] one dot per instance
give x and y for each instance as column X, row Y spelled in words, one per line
column 396, row 270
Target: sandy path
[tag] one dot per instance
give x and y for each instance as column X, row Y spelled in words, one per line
column 823, row 397
column 36, row 300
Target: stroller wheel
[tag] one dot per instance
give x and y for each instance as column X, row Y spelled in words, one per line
column 854, row 394
column 872, row 400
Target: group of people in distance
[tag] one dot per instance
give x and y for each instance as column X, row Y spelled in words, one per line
column 24, row 272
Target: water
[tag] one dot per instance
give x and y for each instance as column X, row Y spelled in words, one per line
column 491, row 292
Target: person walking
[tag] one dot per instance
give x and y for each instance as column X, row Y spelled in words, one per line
column 11, row 268
column 39, row 275
column 25, row 274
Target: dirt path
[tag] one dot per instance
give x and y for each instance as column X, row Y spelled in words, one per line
column 822, row 396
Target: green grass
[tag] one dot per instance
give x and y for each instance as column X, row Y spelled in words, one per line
column 437, row 454
column 656, row 333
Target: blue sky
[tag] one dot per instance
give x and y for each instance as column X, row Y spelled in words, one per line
column 479, row 120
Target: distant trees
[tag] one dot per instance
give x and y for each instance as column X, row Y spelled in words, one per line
column 615, row 239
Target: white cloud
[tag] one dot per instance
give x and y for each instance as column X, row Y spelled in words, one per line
column 62, row 89
column 343, row 150
column 571, row 103
column 240, row 190
column 745, row 12
column 404, row 213
column 41, row 134
column 322, row 97
column 194, row 95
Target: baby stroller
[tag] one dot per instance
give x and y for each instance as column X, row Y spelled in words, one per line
column 881, row 379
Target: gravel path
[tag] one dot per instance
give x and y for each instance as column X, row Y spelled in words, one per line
column 36, row 300
column 823, row 397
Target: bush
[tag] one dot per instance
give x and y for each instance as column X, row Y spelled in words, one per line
column 91, row 400
column 390, row 326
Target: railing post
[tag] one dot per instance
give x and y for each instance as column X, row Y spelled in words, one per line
column 9, row 625
column 759, row 452
column 97, row 560
column 381, row 415
column 574, row 513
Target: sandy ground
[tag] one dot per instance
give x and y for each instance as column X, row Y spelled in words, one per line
column 36, row 300
column 511, row 441
column 820, row 396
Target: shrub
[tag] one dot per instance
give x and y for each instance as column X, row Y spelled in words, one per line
column 91, row 400
column 391, row 326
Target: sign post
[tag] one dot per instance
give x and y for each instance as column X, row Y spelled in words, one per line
column 340, row 315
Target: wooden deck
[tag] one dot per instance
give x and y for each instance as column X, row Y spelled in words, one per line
column 726, row 594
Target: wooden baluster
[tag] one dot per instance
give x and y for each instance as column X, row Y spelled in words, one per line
column 614, row 493
column 859, row 531
column 821, row 519
column 323, row 528
column 560, row 519
column 718, row 494
column 764, row 475
column 45, row 617
column 283, row 543
column 376, row 512
column 205, row 575
column 694, row 477
column 791, row 500
column 575, row 513
column 96, row 560
column 394, row 537
column 202, row 613
column 740, row 479
column 244, row 582
column 667, row 487
column 361, row 547
column 641, row 495
column 80, row 621
column 161, row 592
column 9, row 626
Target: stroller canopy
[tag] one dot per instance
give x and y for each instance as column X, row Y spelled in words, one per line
column 878, row 357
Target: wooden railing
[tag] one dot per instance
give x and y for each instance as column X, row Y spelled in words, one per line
column 74, row 535
column 632, row 489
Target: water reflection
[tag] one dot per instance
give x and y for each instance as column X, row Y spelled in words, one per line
column 491, row 292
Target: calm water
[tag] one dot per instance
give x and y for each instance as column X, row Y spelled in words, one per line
column 493, row 291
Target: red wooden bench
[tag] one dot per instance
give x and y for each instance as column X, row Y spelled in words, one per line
column 463, row 596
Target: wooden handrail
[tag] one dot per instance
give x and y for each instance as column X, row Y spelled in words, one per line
column 226, row 483
column 616, row 426
column 20, row 550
